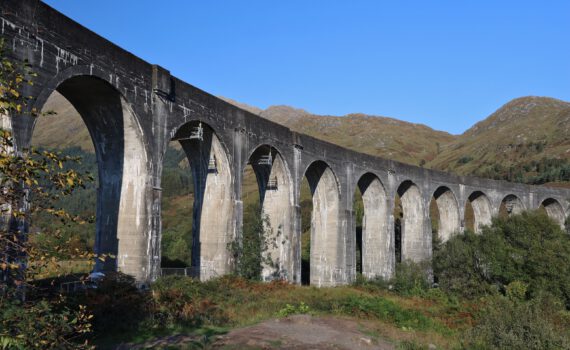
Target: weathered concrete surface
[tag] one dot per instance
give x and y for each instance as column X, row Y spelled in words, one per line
column 133, row 109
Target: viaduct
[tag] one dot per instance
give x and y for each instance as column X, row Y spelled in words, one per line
column 133, row 109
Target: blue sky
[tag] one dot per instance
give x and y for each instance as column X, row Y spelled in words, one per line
column 446, row 64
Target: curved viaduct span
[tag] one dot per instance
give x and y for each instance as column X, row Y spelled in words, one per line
column 133, row 109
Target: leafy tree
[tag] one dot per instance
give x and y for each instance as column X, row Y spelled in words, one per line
column 30, row 182
column 529, row 248
column 251, row 252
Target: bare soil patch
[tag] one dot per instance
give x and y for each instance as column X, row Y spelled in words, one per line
column 301, row 332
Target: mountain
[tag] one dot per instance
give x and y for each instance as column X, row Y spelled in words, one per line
column 523, row 139
column 380, row 136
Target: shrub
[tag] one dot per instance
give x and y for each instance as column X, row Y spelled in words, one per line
column 43, row 324
column 185, row 301
column 251, row 253
column 529, row 248
column 507, row 324
column 411, row 278
column 116, row 304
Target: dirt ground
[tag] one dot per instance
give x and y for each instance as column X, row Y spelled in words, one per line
column 302, row 332
column 299, row 332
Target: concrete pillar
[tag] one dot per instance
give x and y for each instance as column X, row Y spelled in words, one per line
column 328, row 262
column 214, row 224
column 416, row 242
column 376, row 242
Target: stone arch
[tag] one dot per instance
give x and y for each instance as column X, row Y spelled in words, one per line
column 123, row 220
column 554, row 210
column 213, row 224
column 448, row 221
column 275, row 190
column 326, row 261
column 482, row 212
column 511, row 205
column 415, row 244
column 376, row 242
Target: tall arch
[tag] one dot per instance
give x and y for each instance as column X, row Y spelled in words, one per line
column 376, row 242
column 415, row 243
column 123, row 211
column 213, row 212
column 554, row 210
column 326, row 258
column 480, row 206
column 274, row 183
column 448, row 210
column 510, row 205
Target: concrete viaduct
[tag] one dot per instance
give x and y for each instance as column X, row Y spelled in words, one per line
column 133, row 109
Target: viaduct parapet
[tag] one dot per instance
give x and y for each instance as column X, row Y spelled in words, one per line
column 133, row 109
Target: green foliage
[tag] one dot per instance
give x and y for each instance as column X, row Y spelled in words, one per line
column 464, row 160
column 534, row 172
column 386, row 310
column 176, row 180
column 42, row 324
column 252, row 252
column 528, row 248
column 29, row 319
column 510, row 324
column 289, row 310
column 411, row 278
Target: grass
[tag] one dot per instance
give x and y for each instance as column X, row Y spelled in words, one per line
column 65, row 268
column 241, row 303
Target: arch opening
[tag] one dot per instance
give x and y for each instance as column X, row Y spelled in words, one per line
column 177, row 201
column 510, row 205
column 121, row 224
column 415, row 244
column 267, row 208
column 326, row 260
column 371, row 214
column 212, row 213
column 554, row 210
column 477, row 211
column 444, row 214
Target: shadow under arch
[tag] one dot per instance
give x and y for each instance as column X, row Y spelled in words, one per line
column 123, row 213
column 275, row 192
column 554, row 210
column 448, row 210
column 213, row 211
column 376, row 242
column 510, row 205
column 415, row 243
column 326, row 258
column 482, row 214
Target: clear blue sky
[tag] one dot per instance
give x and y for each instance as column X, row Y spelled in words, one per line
column 446, row 64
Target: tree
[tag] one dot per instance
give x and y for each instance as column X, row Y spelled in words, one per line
column 32, row 181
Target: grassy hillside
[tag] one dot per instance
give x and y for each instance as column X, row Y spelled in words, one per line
column 523, row 141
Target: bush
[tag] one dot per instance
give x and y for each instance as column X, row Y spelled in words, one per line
column 411, row 278
column 508, row 324
column 42, row 324
column 116, row 304
column 186, row 301
column 529, row 248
